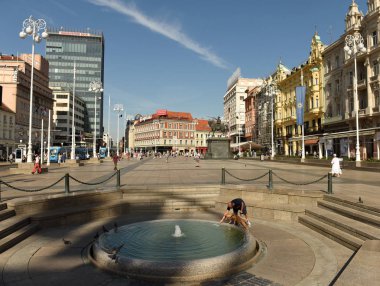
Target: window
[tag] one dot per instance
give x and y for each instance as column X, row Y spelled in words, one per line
column 374, row 38
column 337, row 63
column 375, row 68
column 328, row 66
column 337, row 86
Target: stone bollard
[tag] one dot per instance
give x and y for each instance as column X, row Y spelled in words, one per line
column 270, row 183
column 329, row 183
column 118, row 179
column 223, row 176
column 67, row 183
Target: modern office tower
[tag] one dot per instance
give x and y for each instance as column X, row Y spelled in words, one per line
column 86, row 49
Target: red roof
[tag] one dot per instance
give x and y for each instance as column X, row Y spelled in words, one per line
column 202, row 125
column 173, row 115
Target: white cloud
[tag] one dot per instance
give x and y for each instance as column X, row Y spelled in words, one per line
column 170, row 31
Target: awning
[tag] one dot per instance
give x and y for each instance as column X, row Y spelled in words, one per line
column 311, row 141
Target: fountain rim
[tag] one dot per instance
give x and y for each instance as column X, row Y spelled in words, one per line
column 182, row 271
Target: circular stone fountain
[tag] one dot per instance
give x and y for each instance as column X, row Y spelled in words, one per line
column 175, row 250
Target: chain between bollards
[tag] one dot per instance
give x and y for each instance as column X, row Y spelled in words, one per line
column 270, row 183
column 118, row 179
column 329, row 183
column 223, row 176
column 67, row 183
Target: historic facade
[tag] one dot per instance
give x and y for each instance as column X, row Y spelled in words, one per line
column 15, row 82
column 309, row 74
column 234, row 106
column 339, row 72
column 165, row 131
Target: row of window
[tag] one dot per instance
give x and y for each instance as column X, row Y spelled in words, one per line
column 72, row 58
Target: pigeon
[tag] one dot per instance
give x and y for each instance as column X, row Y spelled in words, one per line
column 114, row 252
column 66, row 242
column 360, row 200
column 105, row 229
column 116, row 226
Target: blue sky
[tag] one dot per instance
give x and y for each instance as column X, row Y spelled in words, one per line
column 179, row 54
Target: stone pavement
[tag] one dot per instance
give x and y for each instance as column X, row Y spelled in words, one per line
column 295, row 255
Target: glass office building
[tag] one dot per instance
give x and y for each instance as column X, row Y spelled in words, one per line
column 86, row 49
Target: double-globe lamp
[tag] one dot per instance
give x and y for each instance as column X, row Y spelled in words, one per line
column 355, row 45
column 31, row 27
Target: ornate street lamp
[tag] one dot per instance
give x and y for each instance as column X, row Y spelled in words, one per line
column 355, row 45
column 95, row 86
column 119, row 109
column 32, row 27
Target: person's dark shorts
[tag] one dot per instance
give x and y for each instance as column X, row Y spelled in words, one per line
column 244, row 211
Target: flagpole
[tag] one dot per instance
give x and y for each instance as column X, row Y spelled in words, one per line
column 303, row 127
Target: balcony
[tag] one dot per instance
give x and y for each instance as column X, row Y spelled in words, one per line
column 290, row 119
column 362, row 84
column 374, row 78
column 333, row 119
column 278, row 121
column 315, row 111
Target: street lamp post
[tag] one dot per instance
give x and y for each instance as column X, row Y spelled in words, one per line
column 355, row 45
column 118, row 108
column 95, row 86
column 32, row 27
column 108, row 127
column 73, row 120
column 238, row 132
column 271, row 91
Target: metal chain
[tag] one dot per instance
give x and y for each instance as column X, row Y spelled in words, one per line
column 300, row 184
column 93, row 184
column 31, row 191
column 259, row 177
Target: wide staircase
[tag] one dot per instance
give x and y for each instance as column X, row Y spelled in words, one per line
column 14, row 229
column 344, row 221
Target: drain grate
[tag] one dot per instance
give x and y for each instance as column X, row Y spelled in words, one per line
column 241, row 279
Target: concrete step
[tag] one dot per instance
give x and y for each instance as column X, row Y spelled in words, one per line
column 364, row 267
column 355, row 205
column 12, row 224
column 170, row 196
column 23, row 206
column 331, row 232
column 3, row 206
column 351, row 213
column 17, row 236
column 356, row 228
column 6, row 213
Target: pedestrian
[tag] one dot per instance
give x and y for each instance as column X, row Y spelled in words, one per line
column 167, row 156
column 37, row 166
column 115, row 159
column 237, row 205
column 197, row 157
column 64, row 157
column 59, row 158
column 11, row 158
column 336, row 171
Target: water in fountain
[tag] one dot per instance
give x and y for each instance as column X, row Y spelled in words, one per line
column 152, row 251
column 177, row 231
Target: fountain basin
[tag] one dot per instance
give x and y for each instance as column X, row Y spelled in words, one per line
column 197, row 250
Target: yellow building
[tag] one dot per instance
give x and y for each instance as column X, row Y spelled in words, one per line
column 309, row 74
